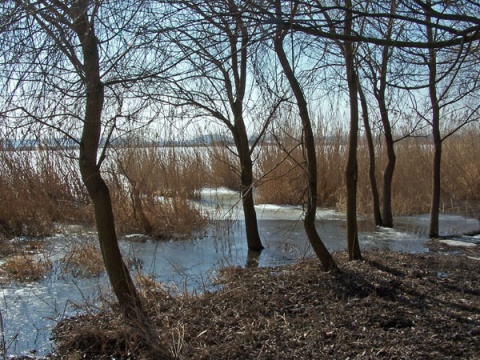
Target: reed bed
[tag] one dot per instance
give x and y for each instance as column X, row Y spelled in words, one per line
column 281, row 178
column 151, row 190
column 37, row 190
column 152, row 187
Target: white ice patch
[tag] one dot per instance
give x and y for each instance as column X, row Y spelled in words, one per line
column 278, row 212
column 458, row 243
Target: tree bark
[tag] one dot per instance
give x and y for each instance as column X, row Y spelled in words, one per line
column 254, row 242
column 379, row 92
column 239, row 59
column 437, row 139
column 351, row 171
column 309, row 148
column 390, row 168
column 118, row 273
column 389, row 142
column 377, row 214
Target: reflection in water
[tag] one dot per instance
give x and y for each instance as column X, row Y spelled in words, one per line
column 253, row 259
column 29, row 311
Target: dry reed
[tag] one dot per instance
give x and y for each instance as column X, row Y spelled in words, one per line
column 40, row 189
column 25, row 268
column 222, row 167
column 82, row 258
column 281, row 179
column 151, row 188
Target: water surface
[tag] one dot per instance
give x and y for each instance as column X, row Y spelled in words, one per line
column 29, row 311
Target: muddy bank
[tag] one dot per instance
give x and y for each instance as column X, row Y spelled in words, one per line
column 390, row 305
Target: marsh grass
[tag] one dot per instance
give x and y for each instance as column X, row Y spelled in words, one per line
column 37, row 190
column 461, row 167
column 281, row 172
column 221, row 166
column 281, row 178
column 82, row 258
column 151, row 191
column 25, row 268
column 152, row 187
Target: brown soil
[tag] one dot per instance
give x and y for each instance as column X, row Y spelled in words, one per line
column 387, row 306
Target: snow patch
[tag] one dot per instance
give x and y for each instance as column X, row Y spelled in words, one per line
column 458, row 243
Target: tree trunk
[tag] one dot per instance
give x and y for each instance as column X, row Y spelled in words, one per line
column 239, row 66
column 309, row 148
column 377, row 215
column 351, row 171
column 437, row 140
column 390, row 168
column 118, row 273
column 436, row 189
column 379, row 93
column 251, row 225
column 240, row 136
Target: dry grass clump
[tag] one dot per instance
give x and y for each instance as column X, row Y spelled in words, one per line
column 25, row 268
column 91, row 336
column 6, row 247
column 151, row 188
column 88, row 338
column 282, row 180
column 83, row 258
column 461, row 168
column 413, row 176
column 390, row 305
column 40, row 189
column 331, row 160
column 222, row 167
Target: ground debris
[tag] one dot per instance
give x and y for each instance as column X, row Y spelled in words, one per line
column 387, row 306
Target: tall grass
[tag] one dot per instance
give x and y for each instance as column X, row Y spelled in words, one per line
column 37, row 190
column 412, row 178
column 221, row 166
column 461, row 169
column 281, row 168
column 151, row 189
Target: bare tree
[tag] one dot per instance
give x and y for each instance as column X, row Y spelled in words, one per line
column 308, row 144
column 443, row 80
column 379, row 75
column 323, row 19
column 377, row 214
column 215, row 81
column 65, row 72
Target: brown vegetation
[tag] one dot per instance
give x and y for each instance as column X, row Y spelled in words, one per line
column 282, row 183
column 389, row 305
column 38, row 189
column 152, row 186
column 221, row 166
column 83, row 258
column 24, row 268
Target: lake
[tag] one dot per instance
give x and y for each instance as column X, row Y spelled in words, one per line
column 29, row 311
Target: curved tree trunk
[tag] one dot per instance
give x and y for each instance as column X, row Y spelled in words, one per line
column 309, row 148
column 437, row 139
column 351, row 171
column 390, row 168
column 246, row 175
column 377, row 214
column 118, row 273
column 379, row 93
column 239, row 66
